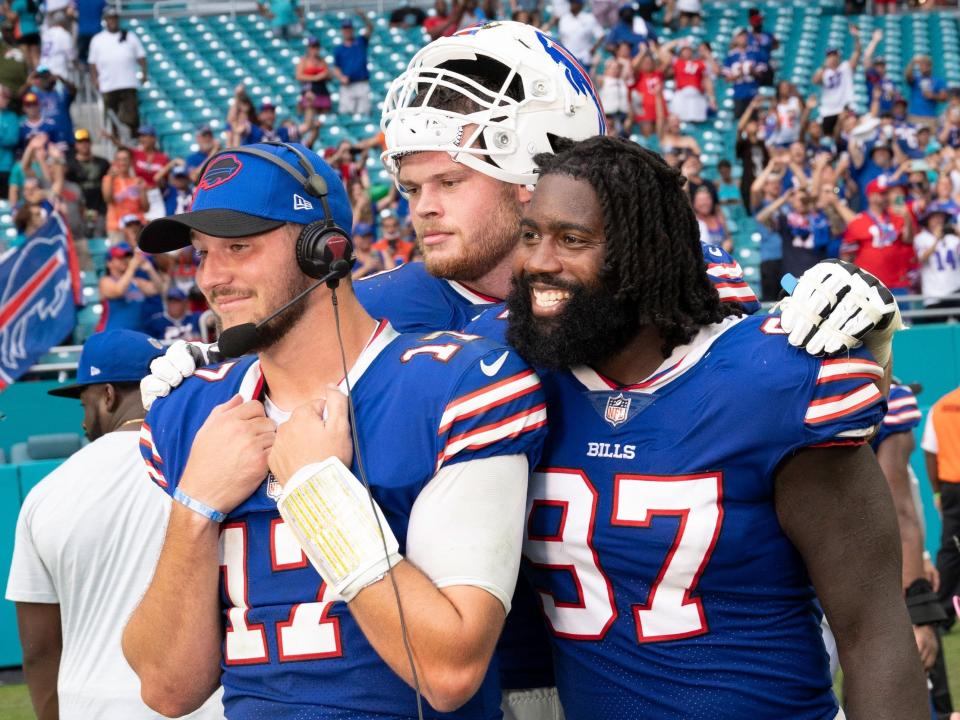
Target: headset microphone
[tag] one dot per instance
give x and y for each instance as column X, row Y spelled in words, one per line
column 241, row 339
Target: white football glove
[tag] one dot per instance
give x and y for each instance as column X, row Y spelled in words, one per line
column 170, row 369
column 329, row 512
column 837, row 306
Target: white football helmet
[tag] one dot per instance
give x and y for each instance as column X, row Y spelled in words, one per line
column 558, row 98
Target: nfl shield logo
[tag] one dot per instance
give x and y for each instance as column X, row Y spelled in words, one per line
column 618, row 409
column 274, row 489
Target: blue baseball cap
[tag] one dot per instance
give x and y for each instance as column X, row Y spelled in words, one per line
column 362, row 228
column 175, row 293
column 241, row 195
column 113, row 356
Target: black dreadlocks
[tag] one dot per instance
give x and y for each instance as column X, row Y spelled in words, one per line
column 654, row 261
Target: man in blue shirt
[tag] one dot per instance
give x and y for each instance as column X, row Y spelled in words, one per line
column 925, row 91
column 34, row 123
column 207, row 145
column 350, row 67
column 762, row 43
column 627, row 30
column 89, row 13
column 742, row 68
column 55, row 94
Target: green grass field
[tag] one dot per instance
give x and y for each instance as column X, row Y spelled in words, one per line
column 15, row 701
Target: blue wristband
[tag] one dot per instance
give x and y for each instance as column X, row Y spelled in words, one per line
column 198, row 507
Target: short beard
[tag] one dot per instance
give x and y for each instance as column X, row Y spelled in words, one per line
column 484, row 249
column 592, row 328
column 277, row 328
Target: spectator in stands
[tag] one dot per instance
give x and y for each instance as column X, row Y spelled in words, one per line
column 72, row 575
column 727, row 189
column 130, row 226
column 56, row 95
column 578, row 31
column 766, row 190
column 406, row 16
column 637, row 32
column 880, row 239
column 369, row 261
column 58, row 50
column 742, row 68
column 177, row 189
column 836, row 77
column 89, row 14
column 672, row 139
column 350, row 67
column 39, row 167
column 27, row 219
column 713, row 227
column 115, row 55
column 949, row 133
column 881, row 89
column 9, row 139
column 22, row 14
column 207, row 145
column 684, row 13
column 88, row 170
column 941, row 446
column 393, row 248
column 443, row 23
column 926, row 90
column 612, row 87
column 944, row 195
column 286, row 17
column 763, row 44
column 803, row 228
column 313, row 73
column 868, row 162
column 175, row 322
column 938, row 255
column 647, row 107
column 123, row 192
column 13, row 69
column 691, row 169
column 789, row 113
column 149, row 162
column 693, row 96
column 750, row 151
column 34, row 124
column 129, row 280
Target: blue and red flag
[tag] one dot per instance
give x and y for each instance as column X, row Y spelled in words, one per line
column 36, row 299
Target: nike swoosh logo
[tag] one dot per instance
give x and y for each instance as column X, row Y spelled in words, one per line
column 494, row 367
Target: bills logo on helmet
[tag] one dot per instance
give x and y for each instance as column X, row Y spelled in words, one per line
column 575, row 75
column 221, row 171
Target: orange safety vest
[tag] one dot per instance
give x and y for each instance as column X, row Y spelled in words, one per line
column 946, row 424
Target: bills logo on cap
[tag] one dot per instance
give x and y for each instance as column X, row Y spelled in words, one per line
column 221, row 171
column 618, row 410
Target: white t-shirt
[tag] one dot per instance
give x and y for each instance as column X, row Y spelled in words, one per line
column 940, row 274
column 837, row 90
column 88, row 538
column 929, row 440
column 578, row 33
column 58, row 51
column 116, row 61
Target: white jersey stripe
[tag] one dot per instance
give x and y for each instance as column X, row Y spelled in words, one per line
column 741, row 292
column 834, row 370
column 900, row 418
column 830, row 408
column 525, row 421
column 488, row 397
column 901, row 403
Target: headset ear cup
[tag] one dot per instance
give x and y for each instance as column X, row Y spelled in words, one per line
column 322, row 248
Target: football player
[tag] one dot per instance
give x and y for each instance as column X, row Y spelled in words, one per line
column 234, row 597
column 462, row 124
column 702, row 484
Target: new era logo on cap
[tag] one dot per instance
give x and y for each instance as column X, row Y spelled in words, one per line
column 94, row 371
column 300, row 203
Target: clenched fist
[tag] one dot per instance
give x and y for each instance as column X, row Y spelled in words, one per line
column 228, row 459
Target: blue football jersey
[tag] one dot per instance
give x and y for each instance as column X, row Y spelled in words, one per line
column 727, row 277
column 903, row 414
column 292, row 649
column 670, row 589
column 413, row 300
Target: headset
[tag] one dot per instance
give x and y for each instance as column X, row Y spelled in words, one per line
column 323, row 247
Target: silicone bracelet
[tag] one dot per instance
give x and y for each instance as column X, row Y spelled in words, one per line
column 198, row 507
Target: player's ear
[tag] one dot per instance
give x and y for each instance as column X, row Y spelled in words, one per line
column 524, row 194
column 109, row 399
